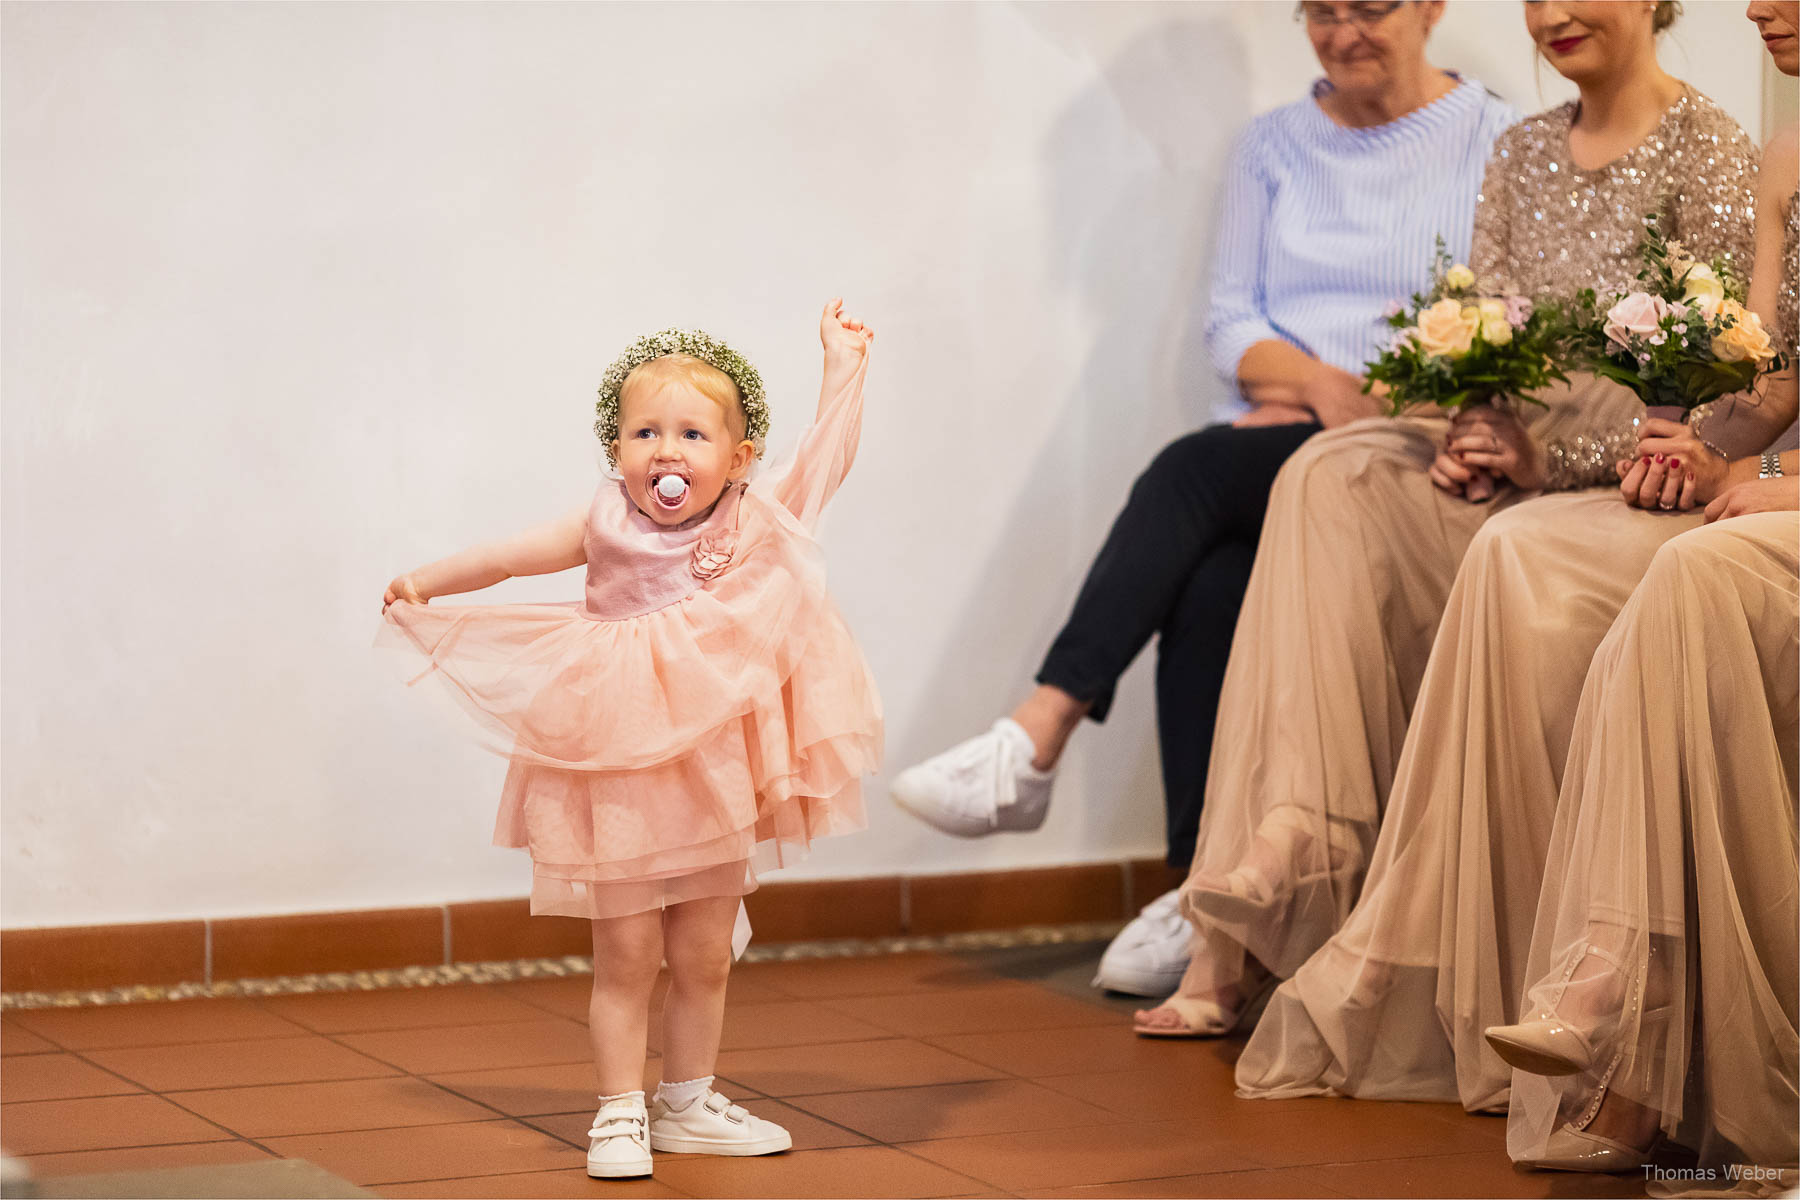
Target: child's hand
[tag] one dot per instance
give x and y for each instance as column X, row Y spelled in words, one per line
column 402, row 588
column 846, row 340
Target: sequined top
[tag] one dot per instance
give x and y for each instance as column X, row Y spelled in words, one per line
column 1544, row 227
column 1787, row 305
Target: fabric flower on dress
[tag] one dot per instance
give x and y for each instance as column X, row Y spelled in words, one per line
column 713, row 553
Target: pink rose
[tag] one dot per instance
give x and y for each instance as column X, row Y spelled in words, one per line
column 1639, row 314
column 1518, row 311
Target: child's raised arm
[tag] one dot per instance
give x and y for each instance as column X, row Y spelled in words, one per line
column 829, row 447
column 541, row 550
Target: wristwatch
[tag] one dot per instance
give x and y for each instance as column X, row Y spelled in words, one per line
column 1771, row 466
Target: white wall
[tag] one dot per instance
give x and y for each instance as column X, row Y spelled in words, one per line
column 297, row 296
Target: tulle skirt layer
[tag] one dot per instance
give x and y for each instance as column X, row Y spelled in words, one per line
column 1666, row 928
column 1353, row 573
column 1394, row 1005
column 664, row 757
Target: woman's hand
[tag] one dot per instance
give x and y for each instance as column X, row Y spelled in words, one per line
column 1471, row 483
column 845, row 339
column 1336, row 398
column 1496, row 441
column 402, row 589
column 1673, row 470
column 1781, row 494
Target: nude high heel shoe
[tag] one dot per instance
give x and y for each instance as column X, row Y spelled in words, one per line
column 1552, row 1043
column 1570, row 1149
column 1544, row 1045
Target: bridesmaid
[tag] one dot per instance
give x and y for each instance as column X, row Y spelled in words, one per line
column 1362, row 545
column 1441, row 932
column 1664, row 955
column 1666, row 930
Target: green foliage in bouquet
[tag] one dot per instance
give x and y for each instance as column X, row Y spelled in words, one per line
column 1457, row 346
column 1682, row 337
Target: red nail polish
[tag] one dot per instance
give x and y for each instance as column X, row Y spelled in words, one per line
column 1674, row 464
column 1646, row 460
column 1659, row 458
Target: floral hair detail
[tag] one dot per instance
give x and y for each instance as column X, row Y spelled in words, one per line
column 694, row 343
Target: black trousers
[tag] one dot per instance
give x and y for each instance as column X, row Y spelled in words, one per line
column 1176, row 564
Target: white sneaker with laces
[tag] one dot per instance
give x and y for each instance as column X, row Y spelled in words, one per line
column 1148, row 956
column 981, row 786
column 714, row 1125
column 620, row 1148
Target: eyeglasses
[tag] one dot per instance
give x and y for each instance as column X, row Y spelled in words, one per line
column 1326, row 16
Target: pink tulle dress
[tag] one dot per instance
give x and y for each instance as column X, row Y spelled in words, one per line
column 701, row 714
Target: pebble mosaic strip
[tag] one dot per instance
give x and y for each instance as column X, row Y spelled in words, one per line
column 552, row 968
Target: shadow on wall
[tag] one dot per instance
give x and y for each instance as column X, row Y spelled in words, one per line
column 1132, row 233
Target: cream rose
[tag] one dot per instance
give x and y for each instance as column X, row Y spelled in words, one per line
column 1496, row 330
column 1638, row 314
column 1746, row 340
column 1447, row 328
column 1703, row 289
column 1459, row 277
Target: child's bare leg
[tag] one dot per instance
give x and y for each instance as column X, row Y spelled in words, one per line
column 627, row 955
column 697, row 944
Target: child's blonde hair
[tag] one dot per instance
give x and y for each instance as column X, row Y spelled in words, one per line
column 694, row 358
column 703, row 377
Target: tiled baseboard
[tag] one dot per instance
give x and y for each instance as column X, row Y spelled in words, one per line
column 172, row 952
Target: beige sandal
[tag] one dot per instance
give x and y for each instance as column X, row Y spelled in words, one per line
column 1197, row 1018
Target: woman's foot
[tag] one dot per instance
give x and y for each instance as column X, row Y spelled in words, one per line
column 1292, row 846
column 1581, row 1017
column 1620, row 1135
column 1213, row 1015
column 1148, row 956
column 1542, row 1045
column 984, row 785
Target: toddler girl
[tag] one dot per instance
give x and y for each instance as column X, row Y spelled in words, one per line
column 704, row 710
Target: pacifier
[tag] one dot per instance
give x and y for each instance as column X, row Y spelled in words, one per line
column 671, row 490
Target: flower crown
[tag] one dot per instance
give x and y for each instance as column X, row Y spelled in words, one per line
column 694, row 343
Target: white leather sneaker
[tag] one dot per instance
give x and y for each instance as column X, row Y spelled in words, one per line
column 714, row 1125
column 1148, row 956
column 981, row 786
column 620, row 1145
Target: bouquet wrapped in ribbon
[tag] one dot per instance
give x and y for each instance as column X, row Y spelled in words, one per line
column 1681, row 338
column 1457, row 345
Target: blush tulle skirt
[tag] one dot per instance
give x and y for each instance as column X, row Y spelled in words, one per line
column 669, row 756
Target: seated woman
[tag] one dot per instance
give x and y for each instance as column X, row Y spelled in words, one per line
column 1664, row 958
column 1314, row 242
column 1665, row 937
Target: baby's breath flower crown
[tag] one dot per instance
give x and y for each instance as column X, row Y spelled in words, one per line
column 694, row 343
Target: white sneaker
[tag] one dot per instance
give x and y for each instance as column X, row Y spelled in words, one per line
column 620, row 1148
column 714, row 1125
column 979, row 786
column 1150, row 954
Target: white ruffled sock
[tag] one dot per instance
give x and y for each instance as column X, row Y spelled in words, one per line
column 678, row 1096
column 606, row 1100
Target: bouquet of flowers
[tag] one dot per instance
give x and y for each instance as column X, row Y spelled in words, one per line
column 1680, row 339
column 1457, row 346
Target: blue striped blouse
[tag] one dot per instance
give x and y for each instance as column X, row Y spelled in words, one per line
column 1320, row 227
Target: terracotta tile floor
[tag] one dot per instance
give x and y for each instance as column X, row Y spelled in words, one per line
column 984, row 1074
